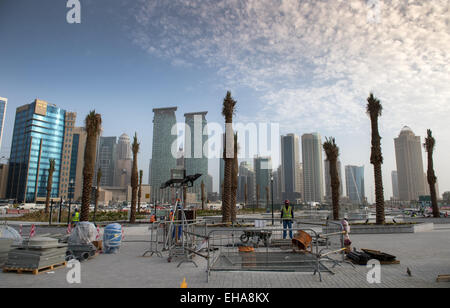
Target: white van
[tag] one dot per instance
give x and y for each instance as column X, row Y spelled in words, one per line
column 27, row 206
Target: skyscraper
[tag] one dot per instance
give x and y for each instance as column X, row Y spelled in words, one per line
column 124, row 147
column 312, row 167
column 246, row 177
column 326, row 163
column 209, row 184
column 150, row 172
column 263, row 172
column 290, row 160
column 354, row 183
column 38, row 136
column 299, row 182
column 77, row 162
column 277, row 194
column 106, row 160
column 195, row 160
column 3, row 104
column 408, row 153
column 163, row 161
column 394, row 177
column 69, row 126
column 124, row 162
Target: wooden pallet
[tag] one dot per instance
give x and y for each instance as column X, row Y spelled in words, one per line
column 443, row 278
column 34, row 271
column 390, row 262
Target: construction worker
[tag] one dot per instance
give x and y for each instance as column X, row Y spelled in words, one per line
column 153, row 218
column 287, row 215
column 347, row 241
column 75, row 217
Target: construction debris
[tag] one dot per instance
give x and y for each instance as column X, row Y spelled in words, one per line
column 80, row 242
column 443, row 278
column 81, row 252
column 380, row 256
column 10, row 233
column 5, row 246
column 358, row 257
column 35, row 255
column 362, row 257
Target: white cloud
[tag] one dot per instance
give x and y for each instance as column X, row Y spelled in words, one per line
column 314, row 62
column 311, row 53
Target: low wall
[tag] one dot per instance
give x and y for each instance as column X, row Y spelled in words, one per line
column 391, row 229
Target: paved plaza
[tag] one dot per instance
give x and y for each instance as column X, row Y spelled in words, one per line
column 427, row 254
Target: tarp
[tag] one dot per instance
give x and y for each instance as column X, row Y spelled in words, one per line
column 84, row 233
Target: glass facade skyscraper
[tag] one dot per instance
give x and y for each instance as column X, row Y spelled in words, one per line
column 312, row 167
column 3, row 104
column 106, row 160
column 290, row 160
column 195, row 160
column 38, row 136
column 354, row 182
column 263, row 172
column 162, row 159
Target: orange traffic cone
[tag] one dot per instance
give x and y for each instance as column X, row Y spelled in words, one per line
column 184, row 284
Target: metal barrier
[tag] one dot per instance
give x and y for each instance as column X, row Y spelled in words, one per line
column 181, row 239
column 250, row 249
column 269, row 251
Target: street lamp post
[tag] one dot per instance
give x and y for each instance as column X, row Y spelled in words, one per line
column 271, row 188
column 60, row 208
column 71, row 183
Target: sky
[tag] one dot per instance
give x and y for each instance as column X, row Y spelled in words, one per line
column 305, row 65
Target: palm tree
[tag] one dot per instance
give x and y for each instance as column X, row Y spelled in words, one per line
column 374, row 110
column 49, row 183
column 134, row 179
column 429, row 145
column 97, row 191
column 234, row 184
column 93, row 126
column 141, row 175
column 228, row 111
column 332, row 153
column 202, row 187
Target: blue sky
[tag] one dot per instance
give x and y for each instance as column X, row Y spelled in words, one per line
column 308, row 65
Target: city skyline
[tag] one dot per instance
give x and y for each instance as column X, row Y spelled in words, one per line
column 100, row 64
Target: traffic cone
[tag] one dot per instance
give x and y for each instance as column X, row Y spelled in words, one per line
column 184, row 284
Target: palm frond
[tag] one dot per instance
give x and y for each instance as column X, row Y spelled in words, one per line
column 430, row 142
column 374, row 107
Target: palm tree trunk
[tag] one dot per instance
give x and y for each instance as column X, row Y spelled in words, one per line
column 431, row 177
column 141, row 174
column 134, row 188
column 202, row 187
column 234, row 184
column 88, row 174
column 226, row 200
column 334, row 177
column 377, row 160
